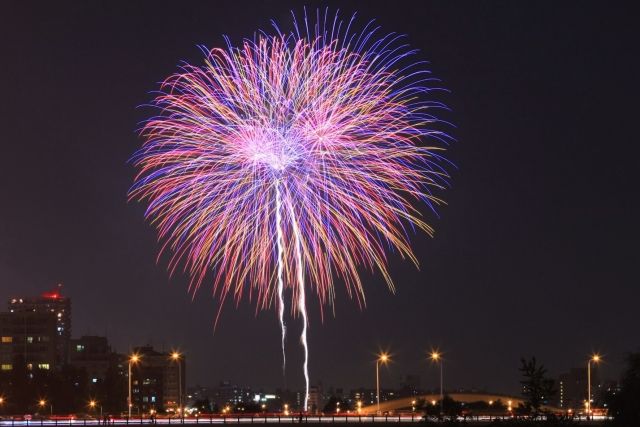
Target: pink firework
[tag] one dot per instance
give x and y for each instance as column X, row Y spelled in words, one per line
column 292, row 159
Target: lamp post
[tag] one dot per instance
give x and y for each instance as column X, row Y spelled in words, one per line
column 93, row 404
column 42, row 403
column 134, row 358
column 382, row 358
column 436, row 357
column 177, row 357
column 595, row 358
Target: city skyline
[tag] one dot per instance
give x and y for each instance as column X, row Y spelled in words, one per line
column 61, row 303
column 533, row 256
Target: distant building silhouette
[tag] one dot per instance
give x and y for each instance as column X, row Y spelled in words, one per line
column 572, row 387
column 94, row 355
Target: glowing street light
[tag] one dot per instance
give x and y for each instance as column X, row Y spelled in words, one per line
column 436, row 357
column 384, row 359
column 595, row 358
column 133, row 359
column 92, row 404
column 42, row 403
column 176, row 357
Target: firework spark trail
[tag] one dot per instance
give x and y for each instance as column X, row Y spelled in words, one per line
column 280, row 245
column 302, row 302
column 341, row 122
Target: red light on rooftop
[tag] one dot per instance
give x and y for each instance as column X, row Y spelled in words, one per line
column 54, row 294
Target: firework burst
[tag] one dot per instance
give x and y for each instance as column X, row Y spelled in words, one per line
column 292, row 161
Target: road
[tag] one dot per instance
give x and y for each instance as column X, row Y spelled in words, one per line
column 313, row 420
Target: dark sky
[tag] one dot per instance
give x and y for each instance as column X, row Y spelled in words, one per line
column 535, row 254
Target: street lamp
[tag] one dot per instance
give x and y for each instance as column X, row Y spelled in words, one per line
column 595, row 358
column 384, row 359
column 42, row 403
column 1, row 403
column 93, row 404
column 133, row 359
column 176, row 357
column 436, row 357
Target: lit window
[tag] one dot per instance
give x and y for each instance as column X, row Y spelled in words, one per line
column 7, row 339
column 43, row 366
column 7, row 366
column 30, row 340
column 79, row 347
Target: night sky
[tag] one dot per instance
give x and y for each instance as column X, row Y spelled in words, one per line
column 535, row 254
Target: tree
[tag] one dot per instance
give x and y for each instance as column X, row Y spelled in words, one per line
column 625, row 405
column 450, row 408
column 537, row 388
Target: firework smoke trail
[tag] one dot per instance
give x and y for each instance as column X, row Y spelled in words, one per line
column 336, row 126
column 280, row 245
column 302, row 303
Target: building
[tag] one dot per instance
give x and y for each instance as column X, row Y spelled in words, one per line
column 28, row 338
column 53, row 304
column 409, row 386
column 316, row 399
column 93, row 354
column 368, row 396
column 572, row 388
column 156, row 381
column 228, row 393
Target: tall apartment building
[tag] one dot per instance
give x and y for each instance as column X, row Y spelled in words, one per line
column 28, row 338
column 51, row 304
column 572, row 387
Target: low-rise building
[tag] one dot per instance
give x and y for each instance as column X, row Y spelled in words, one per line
column 157, row 380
